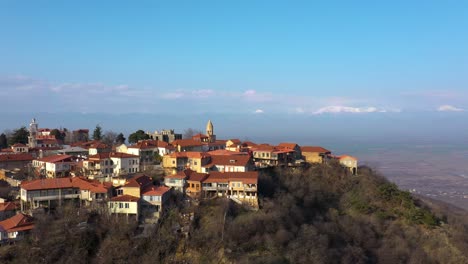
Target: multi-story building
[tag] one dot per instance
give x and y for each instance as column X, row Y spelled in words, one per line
column 139, row 197
column 239, row 186
column 55, row 165
column 111, row 164
column 15, row 228
column 53, row 192
column 13, row 161
column 178, row 161
column 349, row 162
column 315, row 154
column 165, row 135
column 229, row 163
column 267, row 156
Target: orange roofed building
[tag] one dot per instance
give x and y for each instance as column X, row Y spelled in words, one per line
column 315, row 154
column 178, row 161
column 15, row 227
column 140, row 198
column 349, row 162
column 241, row 187
column 52, row 192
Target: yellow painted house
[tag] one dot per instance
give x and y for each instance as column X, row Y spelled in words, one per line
column 315, row 154
column 186, row 160
column 349, row 162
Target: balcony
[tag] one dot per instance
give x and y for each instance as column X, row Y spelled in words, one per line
column 56, row 197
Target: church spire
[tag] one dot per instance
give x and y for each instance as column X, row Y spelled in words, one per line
column 209, row 129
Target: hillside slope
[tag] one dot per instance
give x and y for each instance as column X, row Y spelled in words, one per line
column 319, row 214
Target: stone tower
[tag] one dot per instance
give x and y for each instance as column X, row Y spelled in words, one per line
column 33, row 128
column 210, row 131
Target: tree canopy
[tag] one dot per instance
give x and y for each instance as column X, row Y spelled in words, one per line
column 97, row 134
column 109, row 138
column 59, row 135
column 19, row 135
column 120, row 139
column 138, row 135
column 3, row 141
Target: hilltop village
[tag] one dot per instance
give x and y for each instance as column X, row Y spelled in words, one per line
column 136, row 181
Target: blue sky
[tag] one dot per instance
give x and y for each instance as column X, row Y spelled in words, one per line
column 222, row 57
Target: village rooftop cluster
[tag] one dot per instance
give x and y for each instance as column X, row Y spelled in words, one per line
column 47, row 172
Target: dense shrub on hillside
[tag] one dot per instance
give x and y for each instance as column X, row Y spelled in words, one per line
column 319, row 214
column 324, row 215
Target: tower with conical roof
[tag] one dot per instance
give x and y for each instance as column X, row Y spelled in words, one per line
column 210, row 131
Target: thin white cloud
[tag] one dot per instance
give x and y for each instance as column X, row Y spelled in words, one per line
column 449, row 108
column 254, row 96
column 259, row 111
column 299, row 110
column 173, row 95
column 204, row 93
column 348, row 109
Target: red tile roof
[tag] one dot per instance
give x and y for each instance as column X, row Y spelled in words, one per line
column 346, row 157
column 125, row 198
column 19, row 222
column 229, row 160
column 197, row 177
column 56, row 158
column 264, row 147
column 139, row 180
column 90, row 144
column 8, row 206
column 249, row 144
column 314, row 149
column 187, row 143
column 226, row 152
column 108, row 155
column 199, row 136
column 62, row 183
column 16, row 157
column 181, row 174
column 155, row 190
column 6, row 150
column 19, row 145
column 249, row 177
column 287, row 145
column 190, row 154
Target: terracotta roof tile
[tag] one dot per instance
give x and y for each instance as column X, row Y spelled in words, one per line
column 155, row 190
column 230, row 160
column 8, row 206
column 287, row 145
column 139, row 180
column 56, row 158
column 62, row 183
column 19, row 222
column 190, row 154
column 16, row 157
column 314, row 149
column 125, row 198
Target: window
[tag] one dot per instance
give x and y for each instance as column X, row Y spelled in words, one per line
column 106, row 171
column 120, row 205
column 106, row 162
column 173, row 162
column 111, row 205
column 111, row 170
column 127, row 205
column 195, row 163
